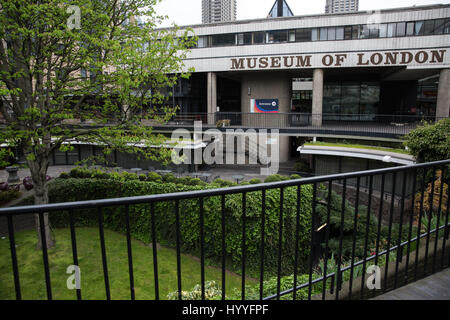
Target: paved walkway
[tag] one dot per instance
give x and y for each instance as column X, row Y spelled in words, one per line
column 435, row 287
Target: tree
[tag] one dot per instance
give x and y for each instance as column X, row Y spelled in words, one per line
column 85, row 70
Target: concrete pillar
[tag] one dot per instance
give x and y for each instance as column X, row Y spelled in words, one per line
column 317, row 103
column 212, row 97
column 443, row 99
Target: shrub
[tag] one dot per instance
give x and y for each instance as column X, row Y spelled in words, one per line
column 295, row 176
column 8, row 196
column 64, row 175
column 224, row 183
column 212, row 292
column 430, row 142
column 99, row 174
column 142, row 177
column 80, row 173
column 255, row 181
column 302, row 166
column 170, row 177
column 67, row 190
column 275, row 178
column 154, row 177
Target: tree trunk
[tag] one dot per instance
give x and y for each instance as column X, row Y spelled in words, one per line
column 38, row 171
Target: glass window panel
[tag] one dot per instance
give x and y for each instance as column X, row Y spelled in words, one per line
column 355, row 32
column 370, row 99
column 419, row 29
column 410, row 28
column 323, row 34
column 391, row 30
column 350, row 101
column 429, row 27
column 314, row 34
column 303, row 35
column 447, row 27
column 248, row 38
column 258, row 37
column 240, row 38
column 383, row 30
column 340, row 33
column 201, row 43
column 292, row 36
column 374, row 30
column 332, row 33
column 364, row 32
column 401, row 29
column 223, row 40
column 331, row 100
column 277, row 36
column 439, row 26
column 347, row 33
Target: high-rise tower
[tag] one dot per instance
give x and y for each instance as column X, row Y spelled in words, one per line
column 337, row 6
column 218, row 11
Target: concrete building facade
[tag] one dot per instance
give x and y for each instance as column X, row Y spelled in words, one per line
column 330, row 67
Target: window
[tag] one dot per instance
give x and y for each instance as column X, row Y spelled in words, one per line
column 410, row 28
column 383, row 30
column 391, row 30
column 291, row 35
column 258, row 37
column 348, row 33
column 332, row 33
column 419, row 29
column 277, row 36
column 315, row 34
column 447, row 27
column 429, row 27
column 201, row 43
column 323, row 34
column 364, row 32
column 401, row 29
column 244, row 38
column 219, row 40
column 355, row 32
column 439, row 26
column 340, row 33
column 374, row 30
column 303, row 35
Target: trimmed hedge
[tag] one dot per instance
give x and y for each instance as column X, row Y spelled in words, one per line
column 67, row 190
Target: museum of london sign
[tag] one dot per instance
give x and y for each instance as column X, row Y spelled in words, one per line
column 354, row 59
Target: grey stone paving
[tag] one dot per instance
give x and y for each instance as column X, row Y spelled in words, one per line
column 435, row 287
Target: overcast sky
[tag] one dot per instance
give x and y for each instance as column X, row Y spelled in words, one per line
column 187, row 12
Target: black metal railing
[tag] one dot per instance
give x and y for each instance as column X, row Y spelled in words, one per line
column 338, row 254
column 373, row 124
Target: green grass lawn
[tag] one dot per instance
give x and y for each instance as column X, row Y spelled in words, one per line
column 32, row 278
column 356, row 146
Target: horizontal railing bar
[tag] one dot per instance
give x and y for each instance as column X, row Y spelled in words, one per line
column 333, row 274
column 207, row 193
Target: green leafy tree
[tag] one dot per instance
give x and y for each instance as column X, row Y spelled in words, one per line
column 87, row 71
column 430, row 142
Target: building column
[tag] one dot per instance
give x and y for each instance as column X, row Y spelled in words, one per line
column 212, row 97
column 443, row 99
column 317, row 102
